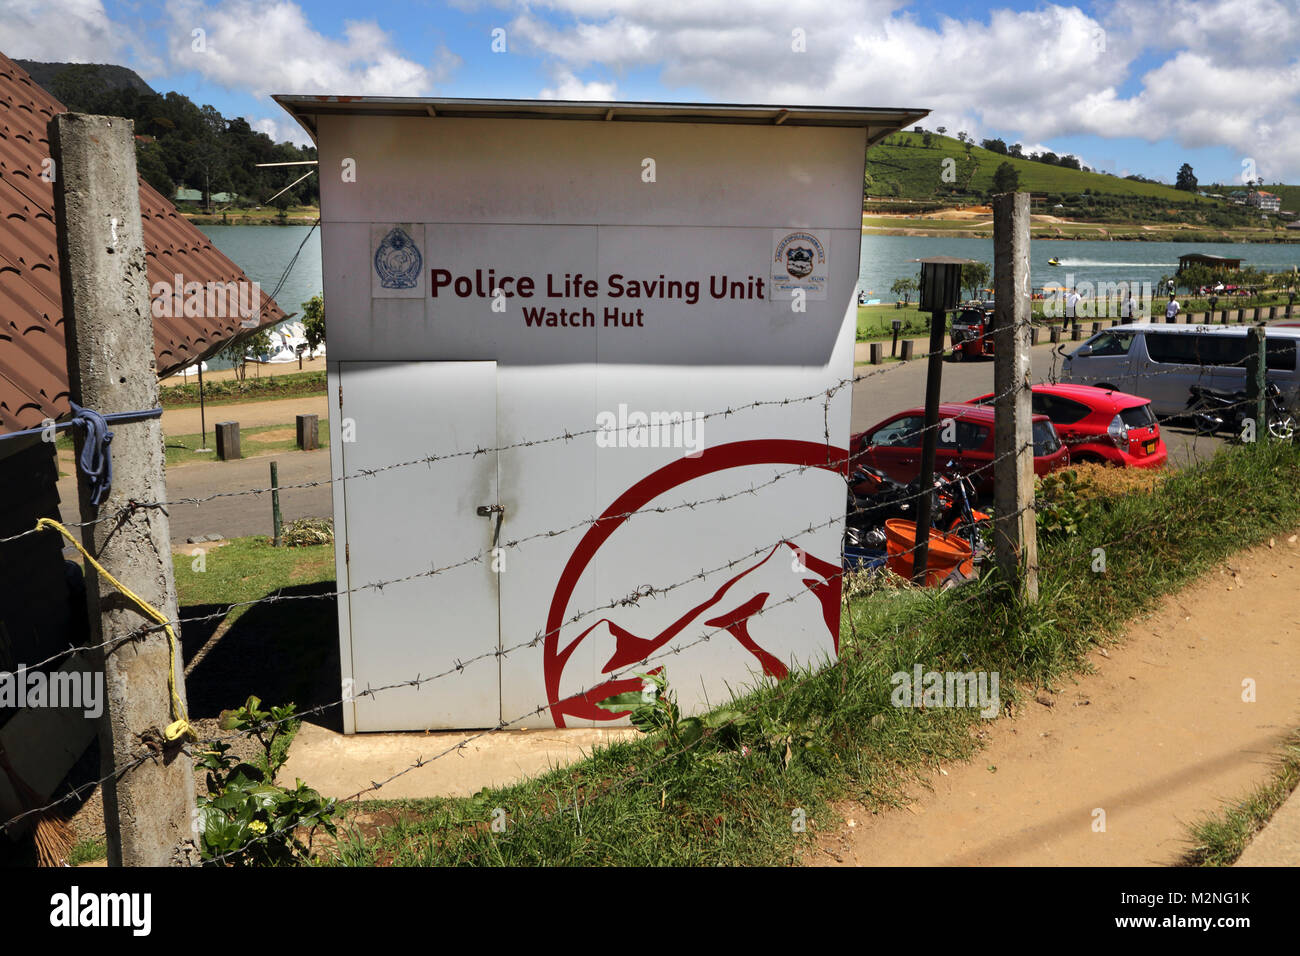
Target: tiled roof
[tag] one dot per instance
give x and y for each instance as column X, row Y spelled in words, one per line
column 33, row 361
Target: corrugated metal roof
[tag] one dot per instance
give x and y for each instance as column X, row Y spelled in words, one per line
column 33, row 360
column 879, row 122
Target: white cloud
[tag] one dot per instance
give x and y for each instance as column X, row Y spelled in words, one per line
column 60, row 30
column 569, row 87
column 1226, row 73
column 280, row 130
column 273, row 48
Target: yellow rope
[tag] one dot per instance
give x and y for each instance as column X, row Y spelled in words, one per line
column 180, row 726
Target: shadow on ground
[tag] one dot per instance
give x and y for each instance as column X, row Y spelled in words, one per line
column 281, row 651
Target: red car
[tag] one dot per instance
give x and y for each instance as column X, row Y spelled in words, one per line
column 1113, row 428
column 965, row 445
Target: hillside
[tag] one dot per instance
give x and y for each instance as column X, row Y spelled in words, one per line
column 97, row 76
column 915, row 172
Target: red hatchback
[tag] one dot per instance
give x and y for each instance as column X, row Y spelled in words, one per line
column 1101, row 425
column 965, row 445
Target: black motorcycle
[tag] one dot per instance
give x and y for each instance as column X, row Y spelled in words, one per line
column 1214, row 411
column 874, row 498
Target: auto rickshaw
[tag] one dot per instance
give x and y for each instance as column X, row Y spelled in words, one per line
column 971, row 337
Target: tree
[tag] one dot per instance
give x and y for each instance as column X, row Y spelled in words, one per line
column 905, row 288
column 961, row 137
column 239, row 350
column 942, row 130
column 1186, row 179
column 313, row 322
column 1006, row 178
column 927, row 139
column 974, row 277
column 994, row 146
column 1016, row 150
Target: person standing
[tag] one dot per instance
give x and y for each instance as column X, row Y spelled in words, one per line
column 1071, row 309
column 1171, row 310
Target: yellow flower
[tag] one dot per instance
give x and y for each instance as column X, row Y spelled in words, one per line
column 257, row 826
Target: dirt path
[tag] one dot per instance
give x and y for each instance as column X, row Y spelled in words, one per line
column 1156, row 737
column 278, row 411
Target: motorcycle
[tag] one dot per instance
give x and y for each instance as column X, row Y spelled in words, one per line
column 874, row 498
column 1215, row 411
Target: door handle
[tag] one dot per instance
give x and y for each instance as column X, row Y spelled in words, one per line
column 486, row 511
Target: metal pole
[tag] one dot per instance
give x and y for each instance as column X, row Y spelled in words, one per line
column 276, row 521
column 148, row 785
column 203, row 422
column 929, row 442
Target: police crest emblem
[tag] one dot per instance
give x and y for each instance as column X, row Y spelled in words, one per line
column 398, row 260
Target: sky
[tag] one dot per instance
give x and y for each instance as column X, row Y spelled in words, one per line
column 1128, row 86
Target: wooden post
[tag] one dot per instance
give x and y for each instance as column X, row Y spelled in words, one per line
column 1034, row 332
column 1056, row 334
column 149, row 807
column 907, row 350
column 1015, row 532
column 276, row 520
column 308, row 425
column 228, row 441
column 1256, row 376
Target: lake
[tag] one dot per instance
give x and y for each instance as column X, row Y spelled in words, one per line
column 886, row 258
column 263, row 252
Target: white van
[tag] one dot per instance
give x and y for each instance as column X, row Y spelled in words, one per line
column 1162, row 362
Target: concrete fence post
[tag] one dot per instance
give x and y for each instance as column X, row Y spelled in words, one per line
column 1015, row 529
column 148, row 806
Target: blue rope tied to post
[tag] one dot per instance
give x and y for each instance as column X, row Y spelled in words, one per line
column 95, row 461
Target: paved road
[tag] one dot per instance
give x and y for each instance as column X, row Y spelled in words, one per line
column 888, row 389
column 241, row 515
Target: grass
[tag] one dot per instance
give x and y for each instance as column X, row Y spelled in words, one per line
column 875, row 322
column 88, row 851
column 793, row 749
column 233, row 391
column 253, row 442
column 245, row 569
column 919, row 173
column 1219, row 839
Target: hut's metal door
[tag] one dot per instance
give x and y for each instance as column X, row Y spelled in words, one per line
column 416, row 528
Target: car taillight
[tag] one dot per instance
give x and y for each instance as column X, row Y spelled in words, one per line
column 1118, row 432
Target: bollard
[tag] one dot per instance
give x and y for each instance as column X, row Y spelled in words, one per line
column 1056, row 335
column 877, row 353
column 1096, row 327
column 1076, row 334
column 276, row 522
column 228, row 441
column 1034, row 333
column 907, row 349
column 308, row 431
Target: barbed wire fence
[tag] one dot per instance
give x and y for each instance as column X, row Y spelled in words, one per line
column 838, row 459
